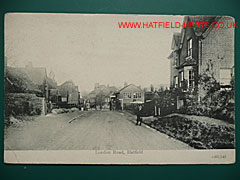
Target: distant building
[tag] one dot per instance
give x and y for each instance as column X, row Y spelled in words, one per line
column 129, row 94
column 70, row 95
column 101, row 95
column 92, row 99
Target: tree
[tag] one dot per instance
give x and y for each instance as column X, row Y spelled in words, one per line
column 100, row 99
column 152, row 88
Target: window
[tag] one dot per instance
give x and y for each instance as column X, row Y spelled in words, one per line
column 127, row 95
column 175, row 59
column 175, row 81
column 139, row 95
column 181, row 78
column 225, row 76
column 191, row 79
column 189, row 48
column 134, row 95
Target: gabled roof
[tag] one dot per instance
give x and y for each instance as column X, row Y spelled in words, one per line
column 171, row 55
column 66, row 88
column 202, row 30
column 199, row 31
column 52, row 84
column 69, row 82
column 19, row 81
column 176, row 40
column 36, row 74
column 128, row 86
column 104, row 90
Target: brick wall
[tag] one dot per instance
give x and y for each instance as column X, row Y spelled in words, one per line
column 218, row 48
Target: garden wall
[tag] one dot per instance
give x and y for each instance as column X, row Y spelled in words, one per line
column 17, row 104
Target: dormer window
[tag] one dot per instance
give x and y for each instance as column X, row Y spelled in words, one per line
column 189, row 48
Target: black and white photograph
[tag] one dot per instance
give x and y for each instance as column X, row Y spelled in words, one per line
column 118, row 89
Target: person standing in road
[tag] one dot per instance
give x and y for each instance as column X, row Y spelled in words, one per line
column 110, row 105
column 139, row 118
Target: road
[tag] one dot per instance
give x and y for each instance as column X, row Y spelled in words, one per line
column 91, row 130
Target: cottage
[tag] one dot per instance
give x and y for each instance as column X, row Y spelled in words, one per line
column 129, row 94
column 29, row 83
column 100, row 96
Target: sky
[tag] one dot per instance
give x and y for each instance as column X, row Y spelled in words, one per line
column 89, row 49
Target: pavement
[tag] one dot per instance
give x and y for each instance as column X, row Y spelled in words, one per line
column 90, row 130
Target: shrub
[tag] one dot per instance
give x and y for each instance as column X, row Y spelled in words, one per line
column 216, row 103
column 200, row 135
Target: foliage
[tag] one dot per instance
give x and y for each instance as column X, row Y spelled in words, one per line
column 198, row 134
column 21, row 104
column 167, row 100
column 208, row 83
column 216, row 103
column 100, row 99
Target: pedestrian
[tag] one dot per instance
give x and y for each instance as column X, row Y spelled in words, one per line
column 110, row 105
column 139, row 118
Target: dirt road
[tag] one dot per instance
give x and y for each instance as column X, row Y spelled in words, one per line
column 92, row 130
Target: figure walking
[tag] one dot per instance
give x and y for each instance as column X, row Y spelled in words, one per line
column 139, row 118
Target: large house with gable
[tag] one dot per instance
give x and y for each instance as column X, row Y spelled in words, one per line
column 196, row 51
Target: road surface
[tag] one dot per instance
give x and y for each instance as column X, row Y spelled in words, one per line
column 91, row 130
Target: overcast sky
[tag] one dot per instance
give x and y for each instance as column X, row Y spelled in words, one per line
column 91, row 48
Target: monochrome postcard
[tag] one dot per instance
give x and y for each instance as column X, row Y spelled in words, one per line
column 119, row 89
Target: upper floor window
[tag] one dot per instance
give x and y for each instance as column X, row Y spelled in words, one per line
column 189, row 48
column 175, row 81
column 225, row 76
column 181, row 78
column 175, row 59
